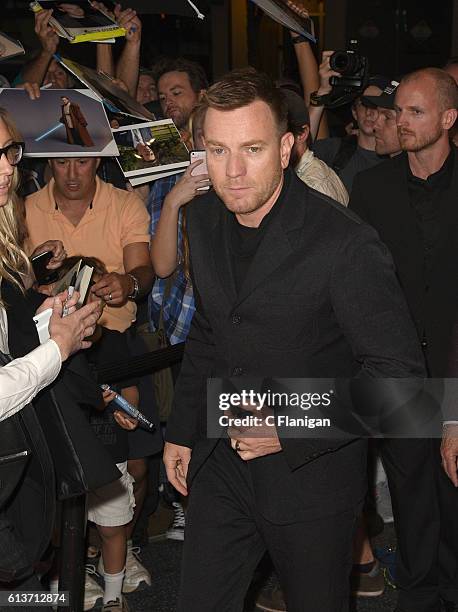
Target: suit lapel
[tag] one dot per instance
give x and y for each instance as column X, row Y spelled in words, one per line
column 222, row 254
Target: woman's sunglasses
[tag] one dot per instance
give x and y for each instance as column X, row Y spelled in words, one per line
column 13, row 152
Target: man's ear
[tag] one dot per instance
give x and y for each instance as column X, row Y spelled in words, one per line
column 286, row 145
column 97, row 163
column 201, row 93
column 353, row 112
column 302, row 137
column 449, row 118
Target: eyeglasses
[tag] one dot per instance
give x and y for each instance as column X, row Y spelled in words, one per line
column 13, row 152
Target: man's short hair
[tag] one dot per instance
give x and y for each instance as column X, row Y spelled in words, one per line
column 146, row 72
column 298, row 113
column 195, row 72
column 444, row 85
column 242, row 87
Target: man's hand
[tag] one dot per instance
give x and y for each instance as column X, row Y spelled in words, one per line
column 125, row 421
column 58, row 253
column 298, row 9
column 449, row 452
column 113, row 288
column 69, row 332
column 33, row 89
column 326, row 73
column 129, row 20
column 256, row 441
column 176, row 460
column 48, row 38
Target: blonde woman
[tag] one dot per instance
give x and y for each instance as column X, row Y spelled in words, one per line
column 23, row 451
column 21, row 379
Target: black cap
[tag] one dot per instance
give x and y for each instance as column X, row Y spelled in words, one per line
column 385, row 99
column 298, row 114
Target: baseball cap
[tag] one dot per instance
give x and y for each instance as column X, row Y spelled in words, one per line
column 298, row 114
column 385, row 99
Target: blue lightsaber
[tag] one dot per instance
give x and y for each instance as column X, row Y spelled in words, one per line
column 53, row 129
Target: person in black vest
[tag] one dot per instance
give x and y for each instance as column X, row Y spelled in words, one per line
column 411, row 201
column 288, row 284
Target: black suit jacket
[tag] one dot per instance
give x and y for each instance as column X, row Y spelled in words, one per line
column 380, row 197
column 320, row 300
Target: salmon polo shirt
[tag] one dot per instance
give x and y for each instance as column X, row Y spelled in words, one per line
column 115, row 219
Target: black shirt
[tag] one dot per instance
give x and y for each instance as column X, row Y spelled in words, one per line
column 244, row 241
column 425, row 200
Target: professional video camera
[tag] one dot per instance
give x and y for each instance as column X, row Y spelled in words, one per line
column 353, row 67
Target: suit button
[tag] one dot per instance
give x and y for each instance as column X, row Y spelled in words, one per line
column 424, row 344
column 236, row 319
column 237, row 371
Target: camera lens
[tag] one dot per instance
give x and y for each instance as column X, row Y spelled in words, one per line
column 344, row 62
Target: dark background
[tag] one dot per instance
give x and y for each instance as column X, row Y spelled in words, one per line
column 397, row 35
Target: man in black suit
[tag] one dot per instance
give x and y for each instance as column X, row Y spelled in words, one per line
column 287, row 284
column 411, row 200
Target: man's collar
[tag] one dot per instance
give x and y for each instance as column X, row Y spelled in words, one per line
column 46, row 200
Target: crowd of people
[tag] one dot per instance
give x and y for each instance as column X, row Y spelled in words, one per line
column 299, row 252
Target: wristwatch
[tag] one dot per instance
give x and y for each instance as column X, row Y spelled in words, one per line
column 136, row 290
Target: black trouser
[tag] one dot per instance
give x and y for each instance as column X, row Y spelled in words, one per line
column 425, row 510
column 226, row 536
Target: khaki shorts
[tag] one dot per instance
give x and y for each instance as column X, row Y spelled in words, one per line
column 113, row 504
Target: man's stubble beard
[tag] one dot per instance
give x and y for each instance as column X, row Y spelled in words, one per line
column 421, row 142
column 257, row 200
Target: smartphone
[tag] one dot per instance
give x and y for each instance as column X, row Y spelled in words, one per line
column 201, row 168
column 42, row 274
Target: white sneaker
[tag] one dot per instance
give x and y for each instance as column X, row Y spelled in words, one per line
column 116, row 606
column 92, row 590
column 176, row 529
column 136, row 574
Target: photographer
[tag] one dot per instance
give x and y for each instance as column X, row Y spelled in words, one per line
column 354, row 153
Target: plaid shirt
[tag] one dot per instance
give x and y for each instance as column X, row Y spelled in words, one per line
column 179, row 306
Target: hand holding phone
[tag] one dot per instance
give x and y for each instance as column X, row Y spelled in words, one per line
column 201, row 168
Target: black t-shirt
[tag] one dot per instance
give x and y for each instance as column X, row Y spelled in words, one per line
column 111, row 347
column 244, row 241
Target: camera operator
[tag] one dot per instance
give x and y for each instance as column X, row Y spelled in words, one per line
column 351, row 154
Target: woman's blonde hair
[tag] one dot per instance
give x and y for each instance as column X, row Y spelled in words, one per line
column 14, row 263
